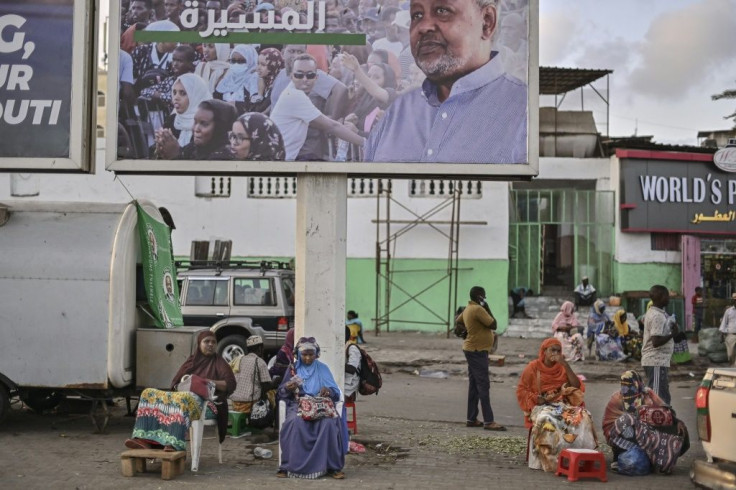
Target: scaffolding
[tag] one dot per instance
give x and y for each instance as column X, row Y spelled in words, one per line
column 389, row 230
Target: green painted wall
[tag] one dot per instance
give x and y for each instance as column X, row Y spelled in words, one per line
column 640, row 277
column 361, row 290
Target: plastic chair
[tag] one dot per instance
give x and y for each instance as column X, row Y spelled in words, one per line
column 196, row 433
column 282, row 417
column 352, row 421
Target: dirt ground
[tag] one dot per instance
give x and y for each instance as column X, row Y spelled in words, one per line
column 414, row 431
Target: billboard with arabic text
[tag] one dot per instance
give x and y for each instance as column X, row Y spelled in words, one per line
column 317, row 86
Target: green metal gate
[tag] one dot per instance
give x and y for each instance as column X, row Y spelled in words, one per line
column 583, row 221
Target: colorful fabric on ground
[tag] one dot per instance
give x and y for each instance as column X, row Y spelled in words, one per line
column 572, row 346
column 557, row 427
column 165, row 417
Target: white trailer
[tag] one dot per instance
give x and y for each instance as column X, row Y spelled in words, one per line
column 70, row 307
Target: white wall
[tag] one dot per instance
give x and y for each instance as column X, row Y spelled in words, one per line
column 266, row 227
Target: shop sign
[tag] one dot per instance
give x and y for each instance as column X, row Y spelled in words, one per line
column 725, row 158
column 677, row 196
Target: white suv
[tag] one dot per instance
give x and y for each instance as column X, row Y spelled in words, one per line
column 237, row 300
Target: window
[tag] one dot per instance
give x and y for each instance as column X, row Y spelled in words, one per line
column 100, row 98
column 207, row 292
column 288, row 285
column 100, row 131
column 253, row 291
column 669, row 242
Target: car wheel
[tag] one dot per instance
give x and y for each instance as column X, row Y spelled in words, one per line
column 4, row 403
column 40, row 400
column 231, row 347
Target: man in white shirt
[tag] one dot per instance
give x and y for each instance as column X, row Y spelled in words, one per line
column 584, row 293
column 294, row 112
column 728, row 330
column 657, row 347
column 352, row 366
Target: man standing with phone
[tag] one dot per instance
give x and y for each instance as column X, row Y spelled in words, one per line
column 480, row 324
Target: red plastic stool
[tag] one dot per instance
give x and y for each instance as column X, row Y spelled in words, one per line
column 353, row 421
column 581, row 463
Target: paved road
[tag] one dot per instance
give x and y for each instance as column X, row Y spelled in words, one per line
column 418, row 422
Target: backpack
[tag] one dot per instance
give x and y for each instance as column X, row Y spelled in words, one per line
column 370, row 376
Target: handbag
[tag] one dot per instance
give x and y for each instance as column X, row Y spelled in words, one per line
column 656, row 416
column 197, row 385
column 261, row 412
column 316, row 408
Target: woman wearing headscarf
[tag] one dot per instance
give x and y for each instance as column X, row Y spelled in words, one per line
column 240, row 80
column 551, row 397
column 603, row 335
column 187, row 93
column 163, row 417
column 212, row 122
column 597, row 320
column 624, row 430
column 630, row 341
column 310, row 449
column 565, row 329
column 256, row 137
column 284, row 357
column 212, row 69
column 270, row 63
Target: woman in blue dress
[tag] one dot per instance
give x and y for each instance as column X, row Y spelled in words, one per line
column 310, row 449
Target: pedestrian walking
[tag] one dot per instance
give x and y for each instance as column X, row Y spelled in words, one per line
column 728, row 330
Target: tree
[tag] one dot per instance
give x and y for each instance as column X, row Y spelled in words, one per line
column 727, row 94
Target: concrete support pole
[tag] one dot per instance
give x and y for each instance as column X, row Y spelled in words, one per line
column 321, row 249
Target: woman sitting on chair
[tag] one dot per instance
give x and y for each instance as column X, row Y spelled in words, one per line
column 163, row 417
column 310, row 448
column 551, row 396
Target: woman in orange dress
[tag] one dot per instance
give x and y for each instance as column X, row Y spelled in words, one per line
column 551, row 397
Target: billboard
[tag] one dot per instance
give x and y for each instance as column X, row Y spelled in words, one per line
column 45, row 85
column 400, row 88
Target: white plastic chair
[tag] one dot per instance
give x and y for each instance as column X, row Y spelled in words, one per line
column 282, row 417
column 196, row 432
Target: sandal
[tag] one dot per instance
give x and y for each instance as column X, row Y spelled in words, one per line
column 281, row 474
column 338, row 475
column 136, row 444
column 494, row 426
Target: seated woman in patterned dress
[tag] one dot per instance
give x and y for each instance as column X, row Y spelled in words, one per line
column 551, row 397
column 163, row 417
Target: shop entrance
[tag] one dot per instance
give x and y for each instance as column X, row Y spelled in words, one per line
column 557, row 236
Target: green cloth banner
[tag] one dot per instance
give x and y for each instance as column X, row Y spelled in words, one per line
column 159, row 273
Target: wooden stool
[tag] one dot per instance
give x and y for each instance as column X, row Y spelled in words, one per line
column 172, row 463
column 353, row 421
column 581, row 463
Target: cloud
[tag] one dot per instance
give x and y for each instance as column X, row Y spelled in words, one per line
column 682, row 47
column 557, row 38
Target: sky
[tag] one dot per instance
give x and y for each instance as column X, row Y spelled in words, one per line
column 668, row 57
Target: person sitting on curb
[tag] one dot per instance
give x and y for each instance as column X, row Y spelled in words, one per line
column 585, row 294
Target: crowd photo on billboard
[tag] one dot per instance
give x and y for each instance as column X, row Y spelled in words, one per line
column 427, row 81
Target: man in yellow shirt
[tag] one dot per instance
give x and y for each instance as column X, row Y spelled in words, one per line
column 480, row 324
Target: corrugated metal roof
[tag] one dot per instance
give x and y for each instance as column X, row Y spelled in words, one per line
column 557, row 81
